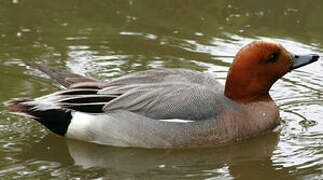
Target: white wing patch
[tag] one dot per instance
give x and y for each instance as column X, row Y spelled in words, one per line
column 176, row 120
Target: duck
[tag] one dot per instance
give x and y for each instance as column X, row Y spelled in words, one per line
column 167, row 108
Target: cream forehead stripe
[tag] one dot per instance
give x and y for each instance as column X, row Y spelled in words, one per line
column 270, row 41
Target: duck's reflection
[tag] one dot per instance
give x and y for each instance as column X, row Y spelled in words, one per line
column 246, row 159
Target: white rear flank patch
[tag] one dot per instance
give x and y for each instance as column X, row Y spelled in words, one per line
column 79, row 126
column 177, row 120
column 95, row 128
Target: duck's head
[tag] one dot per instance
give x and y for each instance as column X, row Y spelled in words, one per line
column 257, row 66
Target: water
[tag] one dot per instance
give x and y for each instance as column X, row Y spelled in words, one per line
column 107, row 39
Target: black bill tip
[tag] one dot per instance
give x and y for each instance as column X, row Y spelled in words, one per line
column 302, row 60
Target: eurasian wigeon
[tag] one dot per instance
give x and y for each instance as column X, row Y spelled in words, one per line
column 167, row 108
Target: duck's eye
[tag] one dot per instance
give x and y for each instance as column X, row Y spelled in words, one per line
column 272, row 58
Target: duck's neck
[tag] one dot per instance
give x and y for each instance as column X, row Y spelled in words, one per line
column 241, row 89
